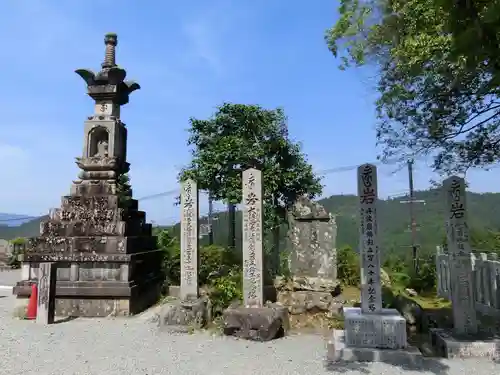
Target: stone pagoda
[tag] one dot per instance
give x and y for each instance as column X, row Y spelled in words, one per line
column 107, row 261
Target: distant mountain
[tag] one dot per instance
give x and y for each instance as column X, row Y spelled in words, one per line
column 393, row 218
column 26, row 227
column 14, row 220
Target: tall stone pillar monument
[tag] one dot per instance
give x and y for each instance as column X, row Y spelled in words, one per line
column 105, row 253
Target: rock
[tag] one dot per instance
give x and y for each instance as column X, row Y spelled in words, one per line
column 182, row 316
column 256, row 323
column 307, row 283
column 410, row 310
column 305, row 301
column 411, row 292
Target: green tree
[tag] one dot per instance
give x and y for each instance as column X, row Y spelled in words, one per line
column 348, row 266
column 241, row 136
column 123, row 187
column 438, row 82
column 18, row 244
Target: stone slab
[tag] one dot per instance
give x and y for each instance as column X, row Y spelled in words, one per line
column 448, row 345
column 385, row 330
column 46, row 293
column 338, row 351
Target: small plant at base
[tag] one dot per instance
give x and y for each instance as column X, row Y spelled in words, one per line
column 225, row 290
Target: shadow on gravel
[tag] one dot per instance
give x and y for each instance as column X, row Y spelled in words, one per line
column 65, row 320
column 433, row 365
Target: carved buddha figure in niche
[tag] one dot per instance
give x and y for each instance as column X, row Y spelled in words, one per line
column 99, row 145
column 102, row 149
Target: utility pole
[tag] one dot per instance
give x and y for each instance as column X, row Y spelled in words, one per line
column 210, row 215
column 231, row 210
column 413, row 222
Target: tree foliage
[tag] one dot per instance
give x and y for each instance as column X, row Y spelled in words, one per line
column 438, row 75
column 241, row 136
column 238, row 137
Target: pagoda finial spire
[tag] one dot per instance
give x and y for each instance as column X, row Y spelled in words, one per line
column 111, row 41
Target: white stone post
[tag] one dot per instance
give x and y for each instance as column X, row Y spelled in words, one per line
column 189, row 240
column 253, row 270
column 47, row 274
column 371, row 290
column 462, row 293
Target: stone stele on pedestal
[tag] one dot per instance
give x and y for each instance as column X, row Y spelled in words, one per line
column 466, row 339
column 107, row 260
column 254, row 320
column 312, row 261
column 189, row 311
column 371, row 333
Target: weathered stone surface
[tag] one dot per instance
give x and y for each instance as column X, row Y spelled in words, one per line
column 312, row 237
column 305, row 283
column 46, row 293
column 384, row 330
column 306, row 301
column 252, row 231
column 189, row 239
column 257, row 323
column 182, row 316
column 447, row 344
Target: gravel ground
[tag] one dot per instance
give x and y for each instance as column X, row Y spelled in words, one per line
column 134, row 346
column 9, row 277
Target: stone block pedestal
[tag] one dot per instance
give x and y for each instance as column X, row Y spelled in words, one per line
column 385, row 330
column 449, row 345
column 183, row 316
column 371, row 337
column 257, row 323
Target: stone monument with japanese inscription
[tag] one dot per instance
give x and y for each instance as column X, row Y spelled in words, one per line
column 46, row 298
column 253, row 264
column 107, row 259
column 255, row 319
column 371, row 332
column 186, row 309
column 189, row 240
column 312, row 260
column 466, row 339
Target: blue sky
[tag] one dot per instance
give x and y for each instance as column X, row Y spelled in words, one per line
column 188, row 59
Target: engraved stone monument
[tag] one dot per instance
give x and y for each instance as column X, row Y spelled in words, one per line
column 466, row 339
column 46, row 293
column 255, row 319
column 253, row 270
column 371, row 332
column 108, row 263
column 312, row 261
column 189, row 240
column 189, row 310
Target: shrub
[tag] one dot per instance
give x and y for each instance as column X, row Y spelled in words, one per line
column 226, row 289
column 348, row 266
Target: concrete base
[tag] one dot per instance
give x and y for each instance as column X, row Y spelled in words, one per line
column 448, row 345
column 384, row 330
column 338, row 351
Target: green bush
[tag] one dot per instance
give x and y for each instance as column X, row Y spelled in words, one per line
column 18, row 245
column 214, row 262
column 424, row 280
column 400, row 279
column 226, row 289
column 348, row 266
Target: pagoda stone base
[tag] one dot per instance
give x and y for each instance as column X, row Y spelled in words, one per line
column 386, row 330
column 126, row 285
